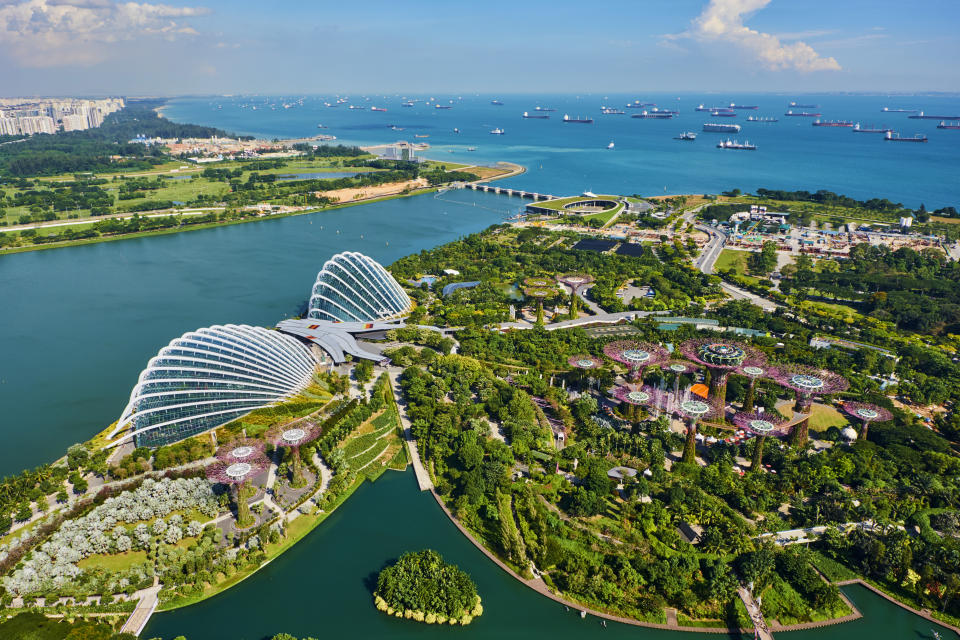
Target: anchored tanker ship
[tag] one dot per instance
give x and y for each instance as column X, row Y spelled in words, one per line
column 711, row 127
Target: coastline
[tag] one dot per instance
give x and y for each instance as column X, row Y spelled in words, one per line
column 515, row 170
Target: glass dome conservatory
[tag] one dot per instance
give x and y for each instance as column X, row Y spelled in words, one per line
column 208, row 377
column 354, row 288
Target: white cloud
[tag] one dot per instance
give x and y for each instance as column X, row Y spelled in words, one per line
column 722, row 22
column 50, row 33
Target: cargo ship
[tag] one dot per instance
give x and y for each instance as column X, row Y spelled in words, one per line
column 686, row 135
column 870, row 129
column 889, row 110
column 832, row 123
column 922, row 116
column 733, row 144
column 653, row 115
column 355, row 106
column 609, row 111
column 723, row 113
column 711, row 127
column 670, row 111
column 761, row 119
column 948, row 125
column 703, row 108
column 377, row 109
column 543, row 109
column 496, row 102
column 535, row 116
column 802, row 114
column 442, row 106
column 742, row 106
column 797, row 105
column 497, row 132
column 406, row 104
column 567, row 118
column 636, row 104
column 895, row 137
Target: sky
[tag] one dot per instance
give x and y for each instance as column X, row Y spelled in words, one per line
column 108, row 47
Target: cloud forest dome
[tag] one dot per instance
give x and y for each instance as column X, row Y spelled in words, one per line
column 208, row 377
column 352, row 287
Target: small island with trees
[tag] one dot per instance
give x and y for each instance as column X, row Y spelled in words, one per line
column 421, row 586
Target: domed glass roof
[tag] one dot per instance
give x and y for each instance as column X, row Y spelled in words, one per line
column 354, row 288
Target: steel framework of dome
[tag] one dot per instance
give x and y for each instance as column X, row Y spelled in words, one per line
column 208, row 377
column 352, row 287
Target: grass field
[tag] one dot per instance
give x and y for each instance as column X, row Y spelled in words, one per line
column 822, row 418
column 732, row 259
column 113, row 561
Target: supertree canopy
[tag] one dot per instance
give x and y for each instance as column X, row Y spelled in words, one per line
column 721, row 357
column 292, row 437
column 807, row 382
column 541, row 282
column 238, row 462
column 694, row 410
column 866, row 413
column 752, row 371
column 760, row 425
column 575, row 280
column 636, row 395
column 636, row 355
column 584, row 362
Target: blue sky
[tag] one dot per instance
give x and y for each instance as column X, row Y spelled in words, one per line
column 321, row 46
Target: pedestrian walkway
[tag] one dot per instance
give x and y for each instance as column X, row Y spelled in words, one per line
column 145, row 608
column 761, row 630
column 423, row 478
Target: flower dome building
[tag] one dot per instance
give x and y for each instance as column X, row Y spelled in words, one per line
column 208, row 377
column 352, row 287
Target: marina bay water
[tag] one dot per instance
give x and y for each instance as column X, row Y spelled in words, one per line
column 321, row 587
column 564, row 158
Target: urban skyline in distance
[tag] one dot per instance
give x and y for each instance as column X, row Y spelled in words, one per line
column 67, row 47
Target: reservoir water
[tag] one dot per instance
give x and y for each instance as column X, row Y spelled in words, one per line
column 322, row 587
column 567, row 158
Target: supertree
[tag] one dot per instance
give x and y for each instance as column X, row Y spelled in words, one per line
column 636, row 355
column 760, row 425
column 636, row 395
column 584, row 362
column 677, row 368
column 720, row 357
column 574, row 280
column 291, row 438
column 806, row 382
column 752, row 371
column 238, row 462
column 866, row 413
column 694, row 410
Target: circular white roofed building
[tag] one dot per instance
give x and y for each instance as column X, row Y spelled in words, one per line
column 352, row 287
column 208, row 377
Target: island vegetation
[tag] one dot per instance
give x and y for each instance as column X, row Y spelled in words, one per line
column 421, row 586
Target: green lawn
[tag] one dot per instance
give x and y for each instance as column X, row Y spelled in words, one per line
column 113, row 561
column 732, row 259
column 822, row 418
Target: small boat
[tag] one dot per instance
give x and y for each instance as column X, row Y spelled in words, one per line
column 471, row 148
column 610, row 146
column 377, row 109
column 496, row 103
column 406, row 104
column 497, row 132
column 321, row 126
column 421, row 135
column 687, row 135
column 583, row 614
column 543, row 109
column 442, row 106
column 535, row 116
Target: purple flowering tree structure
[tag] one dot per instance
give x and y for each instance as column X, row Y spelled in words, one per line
column 291, row 437
column 584, row 362
column 761, row 425
column 752, row 372
column 694, row 411
column 866, row 413
column 636, row 355
column 237, row 463
column 575, row 282
column 721, row 357
column 633, row 396
column 807, row 383
column 678, row 368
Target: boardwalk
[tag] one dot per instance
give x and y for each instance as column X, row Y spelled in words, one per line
column 761, row 630
column 141, row 615
column 423, row 478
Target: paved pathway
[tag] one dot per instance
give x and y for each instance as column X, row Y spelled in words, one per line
column 761, row 630
column 141, row 615
column 423, row 478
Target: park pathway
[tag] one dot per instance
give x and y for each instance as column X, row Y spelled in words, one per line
column 423, row 478
column 761, row 630
column 145, row 608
